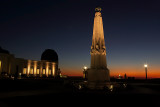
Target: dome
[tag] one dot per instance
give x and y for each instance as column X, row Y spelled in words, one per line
column 4, row 51
column 49, row 55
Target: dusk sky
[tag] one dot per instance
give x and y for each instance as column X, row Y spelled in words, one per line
column 131, row 31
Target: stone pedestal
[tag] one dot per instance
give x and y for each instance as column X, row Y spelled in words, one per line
column 97, row 78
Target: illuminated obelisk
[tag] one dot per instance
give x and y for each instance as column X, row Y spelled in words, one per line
column 98, row 73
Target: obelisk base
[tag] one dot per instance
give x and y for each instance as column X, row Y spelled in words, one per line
column 97, row 78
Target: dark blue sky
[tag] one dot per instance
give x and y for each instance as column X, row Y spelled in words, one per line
column 131, row 29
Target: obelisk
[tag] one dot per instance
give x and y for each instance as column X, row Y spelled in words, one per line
column 98, row 73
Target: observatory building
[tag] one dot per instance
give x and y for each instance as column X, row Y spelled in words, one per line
column 46, row 67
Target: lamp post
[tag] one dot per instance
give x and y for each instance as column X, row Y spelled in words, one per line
column 85, row 68
column 146, row 66
column 84, row 72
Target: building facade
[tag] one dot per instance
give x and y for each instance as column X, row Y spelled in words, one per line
column 46, row 67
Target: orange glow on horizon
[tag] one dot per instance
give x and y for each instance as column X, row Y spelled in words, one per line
column 137, row 73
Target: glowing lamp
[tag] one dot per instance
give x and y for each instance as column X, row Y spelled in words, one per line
column 85, row 68
column 145, row 65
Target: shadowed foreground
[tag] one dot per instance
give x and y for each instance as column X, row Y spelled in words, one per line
column 53, row 92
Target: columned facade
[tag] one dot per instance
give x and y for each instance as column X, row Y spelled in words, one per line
column 46, row 67
column 40, row 68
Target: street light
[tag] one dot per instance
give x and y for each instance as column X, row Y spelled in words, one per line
column 85, row 72
column 146, row 66
column 85, row 68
